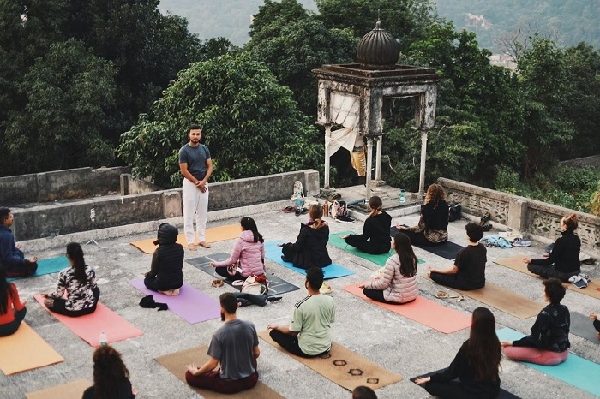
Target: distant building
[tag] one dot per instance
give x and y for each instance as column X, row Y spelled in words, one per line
column 477, row 21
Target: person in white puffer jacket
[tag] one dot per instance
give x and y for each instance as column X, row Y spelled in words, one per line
column 248, row 254
column 396, row 282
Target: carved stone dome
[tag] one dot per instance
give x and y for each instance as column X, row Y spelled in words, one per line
column 378, row 49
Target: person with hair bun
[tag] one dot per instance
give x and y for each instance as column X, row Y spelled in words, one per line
column 432, row 228
column 563, row 261
column 375, row 238
column 79, row 283
column 248, row 253
column 548, row 344
column 310, row 248
column 166, row 270
column 111, row 377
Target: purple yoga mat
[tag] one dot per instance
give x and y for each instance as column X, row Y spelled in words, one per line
column 191, row 304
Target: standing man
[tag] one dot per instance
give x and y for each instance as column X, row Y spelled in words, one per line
column 11, row 256
column 309, row 332
column 196, row 167
column 234, row 347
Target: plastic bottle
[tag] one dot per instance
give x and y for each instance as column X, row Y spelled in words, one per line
column 103, row 338
column 402, row 196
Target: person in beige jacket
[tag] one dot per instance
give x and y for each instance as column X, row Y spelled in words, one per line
column 396, row 282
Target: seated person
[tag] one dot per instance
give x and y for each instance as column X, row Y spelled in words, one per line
column 310, row 248
column 111, row 377
column 397, row 281
column 11, row 256
column 596, row 323
column 166, row 272
column 563, row 261
column 248, row 254
column 233, row 351
column 468, row 272
column 309, row 332
column 433, row 223
column 375, row 238
column 12, row 310
column 78, row 282
column 474, row 372
column 548, row 343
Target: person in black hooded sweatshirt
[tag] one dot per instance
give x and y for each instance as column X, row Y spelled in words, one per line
column 166, row 273
column 375, row 238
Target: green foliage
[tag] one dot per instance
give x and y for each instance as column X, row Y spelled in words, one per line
column 250, row 123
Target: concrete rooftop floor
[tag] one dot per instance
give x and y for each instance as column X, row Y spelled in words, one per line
column 394, row 342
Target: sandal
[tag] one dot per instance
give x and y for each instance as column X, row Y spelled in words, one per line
column 289, row 209
column 442, row 295
column 217, row 283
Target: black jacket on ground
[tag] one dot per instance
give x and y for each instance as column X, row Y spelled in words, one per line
column 167, row 260
column 564, row 255
column 310, row 248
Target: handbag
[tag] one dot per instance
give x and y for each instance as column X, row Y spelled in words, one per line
column 251, row 286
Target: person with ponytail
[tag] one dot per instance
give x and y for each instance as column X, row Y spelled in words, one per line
column 474, row 372
column 563, row 262
column 397, row 281
column 375, row 238
column 78, row 282
column 310, row 248
column 248, row 254
column 111, row 377
column 12, row 310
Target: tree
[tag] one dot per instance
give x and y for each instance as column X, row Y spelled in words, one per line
column 250, row 123
column 69, row 94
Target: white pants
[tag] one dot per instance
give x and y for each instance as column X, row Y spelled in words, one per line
column 195, row 208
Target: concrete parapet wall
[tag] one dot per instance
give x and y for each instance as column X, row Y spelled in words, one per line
column 61, row 218
column 522, row 214
column 59, row 185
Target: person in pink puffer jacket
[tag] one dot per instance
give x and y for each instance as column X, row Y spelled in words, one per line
column 396, row 282
column 248, row 254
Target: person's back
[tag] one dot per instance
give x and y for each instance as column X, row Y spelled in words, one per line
column 251, row 255
column 471, row 262
column 435, row 215
column 235, row 348
column 316, row 246
column 566, row 257
column 313, row 318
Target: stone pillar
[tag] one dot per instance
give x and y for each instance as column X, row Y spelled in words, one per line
column 517, row 218
column 423, row 157
column 369, row 166
column 125, row 178
column 172, row 204
column 327, row 154
column 378, row 159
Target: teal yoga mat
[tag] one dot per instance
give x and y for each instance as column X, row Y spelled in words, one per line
column 273, row 252
column 47, row 266
column 336, row 241
column 575, row 371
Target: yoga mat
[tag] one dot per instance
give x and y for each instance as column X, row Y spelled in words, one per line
column 423, row 311
column 351, row 370
column 273, row 252
column 89, row 326
column 277, row 285
column 504, row 394
column 47, row 266
column 191, row 305
column 25, row 350
column 222, row 233
column 380, row 259
column 177, row 363
column 516, row 263
column 447, row 250
column 575, row 371
column 505, row 300
column 72, row 390
column 581, row 325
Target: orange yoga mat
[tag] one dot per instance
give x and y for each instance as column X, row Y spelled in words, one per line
column 506, row 301
column 223, row 233
column 423, row 311
column 90, row 326
column 516, row 263
column 25, row 350
column 72, row 390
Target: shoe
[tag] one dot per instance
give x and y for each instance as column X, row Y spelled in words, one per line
column 204, row 244
column 289, row 209
column 521, row 243
column 298, row 211
column 345, row 219
column 274, row 298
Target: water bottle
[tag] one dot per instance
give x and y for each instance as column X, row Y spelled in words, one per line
column 402, row 196
column 102, row 338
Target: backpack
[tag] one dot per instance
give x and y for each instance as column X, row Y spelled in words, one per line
column 454, row 211
column 339, row 208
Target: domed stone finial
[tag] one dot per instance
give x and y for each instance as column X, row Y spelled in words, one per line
column 378, row 49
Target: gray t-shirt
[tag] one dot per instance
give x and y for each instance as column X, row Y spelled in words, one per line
column 233, row 346
column 313, row 317
column 195, row 158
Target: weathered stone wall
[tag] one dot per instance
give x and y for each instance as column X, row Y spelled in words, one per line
column 522, row 214
column 59, row 185
column 115, row 210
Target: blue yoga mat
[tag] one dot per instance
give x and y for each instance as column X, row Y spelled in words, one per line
column 575, row 371
column 273, row 252
column 47, row 266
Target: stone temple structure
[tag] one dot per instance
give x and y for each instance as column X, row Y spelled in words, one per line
column 351, row 100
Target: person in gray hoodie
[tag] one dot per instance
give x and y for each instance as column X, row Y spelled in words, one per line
column 166, row 272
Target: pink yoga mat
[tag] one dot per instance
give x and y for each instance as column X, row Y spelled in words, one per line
column 90, row 326
column 423, row 311
column 191, row 305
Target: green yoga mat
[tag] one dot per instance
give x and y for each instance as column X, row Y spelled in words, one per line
column 48, row 266
column 336, row 241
